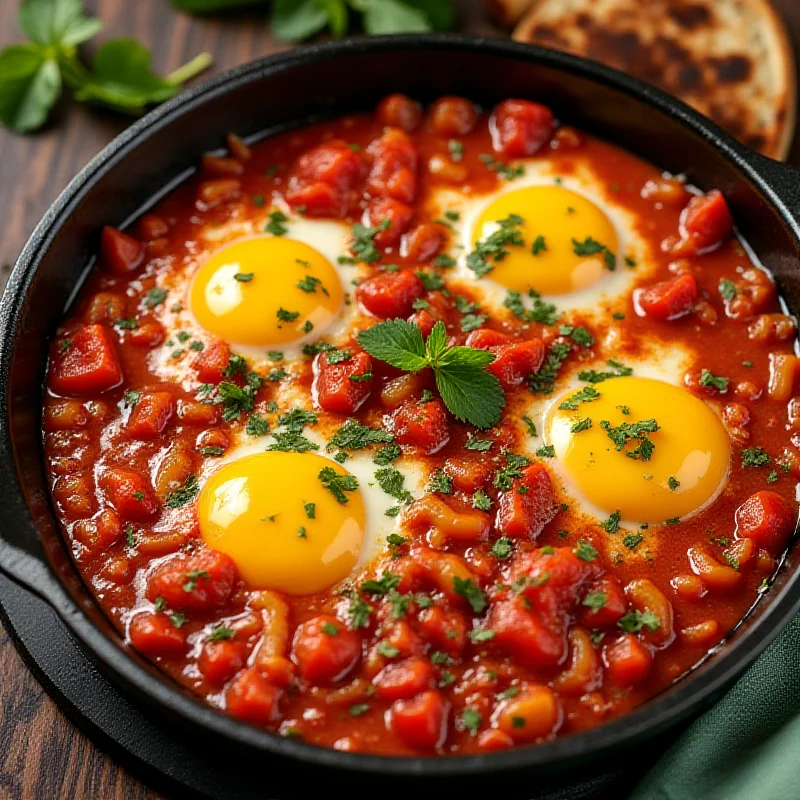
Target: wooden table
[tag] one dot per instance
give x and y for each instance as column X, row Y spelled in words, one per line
column 37, row 743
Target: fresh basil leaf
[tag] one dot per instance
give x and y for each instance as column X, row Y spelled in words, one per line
column 391, row 16
column 30, row 84
column 122, row 79
column 471, row 394
column 396, row 342
column 211, row 6
column 295, row 20
column 62, row 23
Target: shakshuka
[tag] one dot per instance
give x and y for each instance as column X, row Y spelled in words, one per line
column 426, row 431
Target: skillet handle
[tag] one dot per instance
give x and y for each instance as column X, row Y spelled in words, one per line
column 783, row 180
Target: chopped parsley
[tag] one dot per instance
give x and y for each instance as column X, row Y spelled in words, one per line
column 472, row 593
column 329, row 629
column 579, row 335
column 387, row 582
column 585, row 551
column 432, row 281
column 586, row 395
column 530, row 425
column 708, row 378
column 286, row 316
column 355, row 436
column 256, row 426
column 470, row 720
column 581, row 425
column 543, row 382
column 504, row 478
column 593, row 376
column 337, row 484
column 275, row 225
column 635, row 621
column 155, row 297
column 309, row 284
column 481, row 500
column 243, row 277
column 727, row 290
column 440, row 482
column 673, row 483
column 387, row 454
column 539, row 245
column 611, row 525
column 591, row 247
column 595, row 600
column 502, row 547
column 363, row 246
column 495, row 245
column 754, row 457
column 504, row 170
column 186, row 494
column 631, row 540
column 456, row 149
column 632, row 431
column 391, row 480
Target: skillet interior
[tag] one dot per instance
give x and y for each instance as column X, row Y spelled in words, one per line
column 287, row 91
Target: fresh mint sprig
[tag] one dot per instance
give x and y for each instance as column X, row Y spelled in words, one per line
column 32, row 75
column 470, row 393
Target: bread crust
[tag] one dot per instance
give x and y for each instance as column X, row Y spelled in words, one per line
column 732, row 60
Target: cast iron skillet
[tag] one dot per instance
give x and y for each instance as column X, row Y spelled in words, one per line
column 287, row 91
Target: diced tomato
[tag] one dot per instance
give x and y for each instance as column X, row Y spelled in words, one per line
column 523, row 634
column 390, row 295
column 130, row 493
column 513, row 363
column 334, row 388
column 520, row 128
column 394, row 166
column 398, row 214
column 524, row 514
column 485, row 339
column 198, row 582
column 614, row 603
column 423, row 242
column 494, row 739
column 452, row 116
column 627, row 660
column 212, row 361
column 150, row 415
column 705, row 223
column 668, row 299
column 326, row 180
column 422, row 721
column 152, row 227
column 325, row 650
column 767, row 519
column 106, row 307
column 404, row 679
column 154, row 635
column 220, row 660
column 148, row 334
column 424, row 320
column 399, row 111
column 86, row 363
column 444, row 630
column 252, row 698
column 119, row 252
column 210, row 194
column 400, row 635
column 422, row 425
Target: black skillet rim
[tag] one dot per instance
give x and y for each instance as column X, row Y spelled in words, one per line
column 662, row 712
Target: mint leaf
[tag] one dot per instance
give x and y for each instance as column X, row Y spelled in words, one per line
column 30, row 84
column 396, row 342
column 436, row 342
column 471, row 394
column 438, row 12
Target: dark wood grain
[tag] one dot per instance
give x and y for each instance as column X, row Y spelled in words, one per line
column 38, row 746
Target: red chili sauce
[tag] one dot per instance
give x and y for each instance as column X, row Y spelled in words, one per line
column 499, row 612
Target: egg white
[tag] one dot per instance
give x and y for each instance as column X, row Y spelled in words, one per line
column 598, row 300
column 360, row 464
column 667, row 364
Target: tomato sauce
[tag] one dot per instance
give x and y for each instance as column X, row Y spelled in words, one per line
column 480, row 627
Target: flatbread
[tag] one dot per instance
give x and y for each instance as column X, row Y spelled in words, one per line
column 729, row 59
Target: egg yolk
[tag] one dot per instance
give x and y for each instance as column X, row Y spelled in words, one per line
column 602, row 444
column 265, row 290
column 271, row 514
column 569, row 243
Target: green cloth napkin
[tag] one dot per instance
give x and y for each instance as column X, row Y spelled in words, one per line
column 747, row 747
